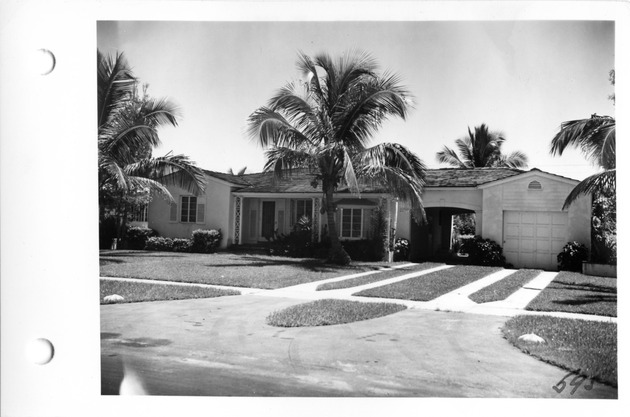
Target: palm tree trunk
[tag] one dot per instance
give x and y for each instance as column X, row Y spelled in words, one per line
column 337, row 254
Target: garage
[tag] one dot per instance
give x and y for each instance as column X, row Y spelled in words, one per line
column 533, row 239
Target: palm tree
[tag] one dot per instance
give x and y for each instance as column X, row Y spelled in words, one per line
column 324, row 124
column 596, row 138
column 128, row 131
column 481, row 149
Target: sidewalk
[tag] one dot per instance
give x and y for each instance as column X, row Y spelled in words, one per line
column 455, row 301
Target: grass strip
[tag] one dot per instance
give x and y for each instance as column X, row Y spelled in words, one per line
column 585, row 347
column 237, row 270
column 577, row 293
column 380, row 276
column 328, row 312
column 142, row 291
column 430, row 286
column 502, row 289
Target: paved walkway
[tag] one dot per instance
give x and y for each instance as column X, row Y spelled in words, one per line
column 456, row 301
column 223, row 347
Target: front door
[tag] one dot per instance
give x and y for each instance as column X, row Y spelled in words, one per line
column 268, row 219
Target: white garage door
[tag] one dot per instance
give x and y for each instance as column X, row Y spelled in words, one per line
column 533, row 239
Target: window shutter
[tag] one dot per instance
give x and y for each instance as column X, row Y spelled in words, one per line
column 201, row 213
column 173, row 216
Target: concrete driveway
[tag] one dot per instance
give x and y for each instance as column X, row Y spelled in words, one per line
column 223, row 346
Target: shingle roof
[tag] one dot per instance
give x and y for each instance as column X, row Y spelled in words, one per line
column 300, row 181
column 453, row 177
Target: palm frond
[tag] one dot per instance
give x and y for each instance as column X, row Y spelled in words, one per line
column 116, row 84
column 283, row 161
column 595, row 137
column 349, row 175
column 153, row 186
column 177, row 170
column 516, row 159
column 396, row 168
column 159, row 112
column 449, row 157
column 605, row 181
column 308, row 68
column 270, row 128
column 369, row 106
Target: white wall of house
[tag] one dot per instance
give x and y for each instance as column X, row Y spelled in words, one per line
column 217, row 212
column 515, row 195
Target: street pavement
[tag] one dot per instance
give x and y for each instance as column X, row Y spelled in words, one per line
column 223, row 347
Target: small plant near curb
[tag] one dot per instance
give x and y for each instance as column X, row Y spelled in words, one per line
column 572, row 256
column 328, row 312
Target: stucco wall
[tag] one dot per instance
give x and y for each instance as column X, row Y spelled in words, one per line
column 515, row 195
column 468, row 199
column 217, row 212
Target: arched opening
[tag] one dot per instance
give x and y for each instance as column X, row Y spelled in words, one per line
column 433, row 241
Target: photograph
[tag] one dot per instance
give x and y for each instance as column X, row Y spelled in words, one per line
column 357, row 208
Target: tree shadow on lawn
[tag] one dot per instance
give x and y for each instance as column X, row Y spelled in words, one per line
column 587, row 299
column 577, row 294
column 313, row 265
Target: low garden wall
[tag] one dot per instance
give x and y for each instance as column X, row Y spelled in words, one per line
column 599, row 270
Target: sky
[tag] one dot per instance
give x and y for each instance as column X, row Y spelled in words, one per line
column 521, row 78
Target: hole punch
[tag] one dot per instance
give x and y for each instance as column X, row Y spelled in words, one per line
column 46, row 61
column 40, row 351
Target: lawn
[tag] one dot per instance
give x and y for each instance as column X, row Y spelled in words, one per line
column 578, row 293
column 238, row 270
column 502, row 289
column 430, row 286
column 380, row 276
column 587, row 346
column 143, row 291
column 328, row 312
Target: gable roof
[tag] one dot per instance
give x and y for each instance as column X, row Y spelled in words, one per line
column 457, row 177
column 532, row 173
column 300, row 181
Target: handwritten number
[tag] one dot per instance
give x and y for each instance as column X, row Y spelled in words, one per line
column 577, row 384
column 564, row 384
column 589, row 386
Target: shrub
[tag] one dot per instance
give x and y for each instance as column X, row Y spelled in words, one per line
column 401, row 249
column 181, row 245
column 206, row 241
column 299, row 243
column 572, row 256
column 164, row 244
column 366, row 250
column 482, row 251
column 137, row 237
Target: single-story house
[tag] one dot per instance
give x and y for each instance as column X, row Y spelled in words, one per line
column 520, row 210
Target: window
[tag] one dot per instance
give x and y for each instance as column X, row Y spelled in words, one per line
column 534, row 185
column 189, row 210
column 303, row 208
column 351, row 223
